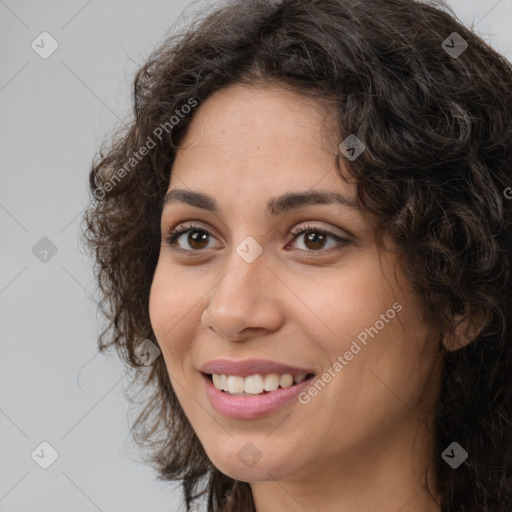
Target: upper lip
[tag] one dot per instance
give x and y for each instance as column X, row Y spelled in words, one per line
column 248, row 367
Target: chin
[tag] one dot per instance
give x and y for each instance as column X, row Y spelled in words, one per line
column 249, row 464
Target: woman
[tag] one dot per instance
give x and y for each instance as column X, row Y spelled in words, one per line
column 308, row 220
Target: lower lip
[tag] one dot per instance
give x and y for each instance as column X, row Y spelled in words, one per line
column 249, row 407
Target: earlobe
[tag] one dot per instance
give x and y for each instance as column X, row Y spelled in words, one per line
column 465, row 330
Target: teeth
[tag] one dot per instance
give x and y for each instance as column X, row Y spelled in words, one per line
column 220, row 381
column 235, row 384
column 286, row 380
column 271, row 382
column 254, row 384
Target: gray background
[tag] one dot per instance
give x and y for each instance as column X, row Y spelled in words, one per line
column 54, row 113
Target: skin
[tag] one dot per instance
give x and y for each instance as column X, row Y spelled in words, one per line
column 364, row 442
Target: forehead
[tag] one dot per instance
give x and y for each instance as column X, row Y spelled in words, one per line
column 258, row 137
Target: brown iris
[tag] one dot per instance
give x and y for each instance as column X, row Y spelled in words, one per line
column 316, row 239
column 196, row 238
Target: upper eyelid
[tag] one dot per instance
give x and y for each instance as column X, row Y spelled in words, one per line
column 181, row 228
column 190, row 225
column 312, row 224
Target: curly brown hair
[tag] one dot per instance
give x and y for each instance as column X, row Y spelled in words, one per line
column 438, row 134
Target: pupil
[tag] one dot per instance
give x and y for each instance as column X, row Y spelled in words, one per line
column 199, row 239
column 318, row 240
column 195, row 238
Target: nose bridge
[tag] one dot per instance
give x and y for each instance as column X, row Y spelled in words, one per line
column 243, row 297
column 246, row 265
column 242, row 286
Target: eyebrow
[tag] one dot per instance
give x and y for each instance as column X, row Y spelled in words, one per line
column 275, row 205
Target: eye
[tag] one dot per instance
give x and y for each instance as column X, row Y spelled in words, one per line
column 317, row 239
column 197, row 238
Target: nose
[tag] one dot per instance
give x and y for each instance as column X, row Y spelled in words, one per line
column 244, row 303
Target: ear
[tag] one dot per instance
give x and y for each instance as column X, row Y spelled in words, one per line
column 466, row 328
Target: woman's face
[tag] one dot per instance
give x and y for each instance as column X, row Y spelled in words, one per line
column 239, row 287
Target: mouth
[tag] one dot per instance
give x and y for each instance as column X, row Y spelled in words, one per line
column 257, row 384
column 262, row 395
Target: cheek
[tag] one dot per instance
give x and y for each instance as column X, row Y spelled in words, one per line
column 342, row 304
column 373, row 321
column 161, row 306
column 171, row 307
column 172, row 297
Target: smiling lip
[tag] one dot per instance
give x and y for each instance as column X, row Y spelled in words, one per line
column 250, row 367
column 257, row 406
column 251, row 407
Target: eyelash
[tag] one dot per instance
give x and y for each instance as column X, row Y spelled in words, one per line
column 185, row 228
